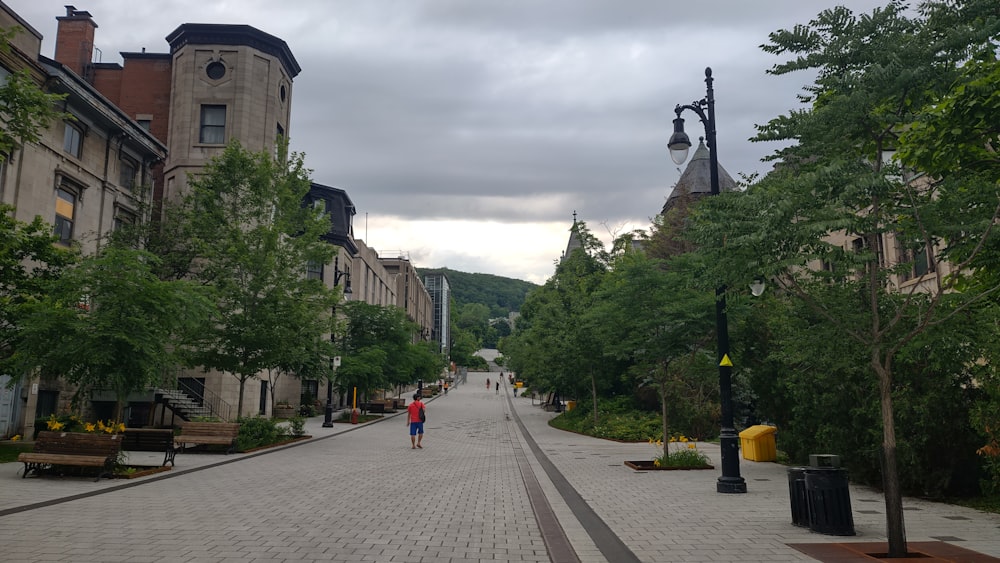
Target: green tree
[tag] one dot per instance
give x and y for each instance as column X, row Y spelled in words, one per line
column 110, row 323
column 875, row 74
column 29, row 260
column 473, row 317
column 250, row 238
column 554, row 347
column 378, row 349
column 657, row 320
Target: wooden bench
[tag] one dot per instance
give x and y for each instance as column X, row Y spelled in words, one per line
column 380, row 406
column 151, row 440
column 208, row 434
column 399, row 404
column 74, row 449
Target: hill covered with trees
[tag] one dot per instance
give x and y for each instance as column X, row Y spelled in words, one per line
column 501, row 295
column 480, row 304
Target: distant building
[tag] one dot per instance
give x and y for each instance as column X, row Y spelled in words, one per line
column 440, row 292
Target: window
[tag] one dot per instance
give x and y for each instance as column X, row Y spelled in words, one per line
column 213, row 125
column 73, row 140
column 917, row 254
column 123, row 219
column 314, row 270
column 127, row 172
column 65, row 211
column 215, row 70
column 145, row 123
column 309, row 391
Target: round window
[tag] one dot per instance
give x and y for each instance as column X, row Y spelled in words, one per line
column 215, row 70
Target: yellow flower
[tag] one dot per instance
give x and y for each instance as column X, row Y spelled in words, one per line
column 100, row 426
column 656, row 463
column 15, row 438
column 55, row 425
column 684, row 439
column 692, row 446
column 89, row 427
column 121, row 427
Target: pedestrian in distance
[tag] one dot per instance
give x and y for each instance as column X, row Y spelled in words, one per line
column 498, row 387
column 415, row 420
column 446, row 387
column 487, row 384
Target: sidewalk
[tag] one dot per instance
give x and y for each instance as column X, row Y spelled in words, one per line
column 476, row 492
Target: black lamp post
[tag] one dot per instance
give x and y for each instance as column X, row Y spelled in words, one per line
column 337, row 274
column 730, row 481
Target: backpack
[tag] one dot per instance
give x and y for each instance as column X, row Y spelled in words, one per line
column 423, row 417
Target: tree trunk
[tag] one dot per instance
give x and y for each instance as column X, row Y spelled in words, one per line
column 895, row 529
column 593, row 392
column 666, row 428
column 239, row 408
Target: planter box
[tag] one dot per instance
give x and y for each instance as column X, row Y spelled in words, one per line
column 284, row 412
column 647, row 465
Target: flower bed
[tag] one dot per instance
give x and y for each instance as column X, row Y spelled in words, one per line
column 650, row 465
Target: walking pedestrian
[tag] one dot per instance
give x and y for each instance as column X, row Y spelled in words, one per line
column 498, row 387
column 445, row 386
column 415, row 420
column 487, row 384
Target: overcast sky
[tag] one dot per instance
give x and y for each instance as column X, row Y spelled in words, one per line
column 467, row 132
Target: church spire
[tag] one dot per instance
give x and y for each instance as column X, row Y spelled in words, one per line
column 574, row 239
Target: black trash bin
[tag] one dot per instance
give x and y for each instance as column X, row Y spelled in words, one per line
column 797, row 496
column 829, row 501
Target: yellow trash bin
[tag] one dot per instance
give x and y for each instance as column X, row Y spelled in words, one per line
column 757, row 443
column 570, row 405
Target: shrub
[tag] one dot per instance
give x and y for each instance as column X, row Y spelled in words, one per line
column 298, row 425
column 256, row 432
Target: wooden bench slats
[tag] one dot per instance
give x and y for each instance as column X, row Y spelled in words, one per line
column 72, row 449
column 63, row 459
column 208, row 433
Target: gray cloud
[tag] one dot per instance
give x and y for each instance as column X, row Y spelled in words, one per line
column 514, row 111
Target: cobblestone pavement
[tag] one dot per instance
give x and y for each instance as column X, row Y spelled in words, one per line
column 475, row 492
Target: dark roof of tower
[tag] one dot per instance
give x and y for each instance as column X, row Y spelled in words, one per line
column 228, row 34
column 697, row 178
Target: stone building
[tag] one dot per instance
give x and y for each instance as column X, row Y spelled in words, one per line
column 140, row 128
column 87, row 175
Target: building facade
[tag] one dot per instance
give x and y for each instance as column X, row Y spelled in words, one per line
column 87, row 175
column 138, row 130
column 440, row 292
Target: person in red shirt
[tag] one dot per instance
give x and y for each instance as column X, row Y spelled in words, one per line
column 413, row 421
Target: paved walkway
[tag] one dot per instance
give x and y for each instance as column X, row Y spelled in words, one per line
column 493, row 483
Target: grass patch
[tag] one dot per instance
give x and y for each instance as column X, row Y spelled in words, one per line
column 9, row 452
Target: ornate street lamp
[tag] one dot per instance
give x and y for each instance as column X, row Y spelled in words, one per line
column 730, row 481
column 337, row 274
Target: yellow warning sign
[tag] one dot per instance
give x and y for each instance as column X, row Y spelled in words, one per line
column 726, row 362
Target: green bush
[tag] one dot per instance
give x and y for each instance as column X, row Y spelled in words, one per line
column 298, row 425
column 618, row 419
column 256, row 432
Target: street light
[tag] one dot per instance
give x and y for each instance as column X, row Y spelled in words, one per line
column 337, row 274
column 730, row 481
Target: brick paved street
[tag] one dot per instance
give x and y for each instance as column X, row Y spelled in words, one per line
column 360, row 493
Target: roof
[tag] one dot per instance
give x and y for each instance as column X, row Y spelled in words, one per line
column 227, row 34
column 697, row 178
